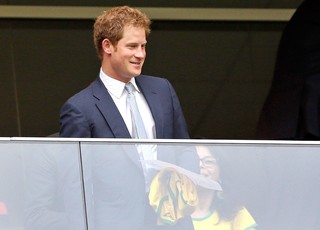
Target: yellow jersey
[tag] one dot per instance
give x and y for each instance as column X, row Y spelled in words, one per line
column 242, row 221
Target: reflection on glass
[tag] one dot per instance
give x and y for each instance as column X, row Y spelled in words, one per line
column 116, row 191
column 41, row 188
column 217, row 209
column 11, row 188
column 53, row 187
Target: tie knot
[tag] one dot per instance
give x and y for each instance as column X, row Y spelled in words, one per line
column 129, row 88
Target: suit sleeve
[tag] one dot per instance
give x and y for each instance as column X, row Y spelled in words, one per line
column 73, row 122
column 179, row 124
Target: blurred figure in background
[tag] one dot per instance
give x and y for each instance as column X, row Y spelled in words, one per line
column 292, row 108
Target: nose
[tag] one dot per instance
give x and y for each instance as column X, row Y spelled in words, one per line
column 140, row 52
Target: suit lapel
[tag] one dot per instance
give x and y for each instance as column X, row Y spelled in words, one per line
column 109, row 110
column 111, row 114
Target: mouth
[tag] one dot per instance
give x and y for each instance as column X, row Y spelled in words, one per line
column 135, row 62
column 204, row 174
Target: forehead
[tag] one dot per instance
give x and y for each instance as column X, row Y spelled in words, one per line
column 130, row 30
column 203, row 151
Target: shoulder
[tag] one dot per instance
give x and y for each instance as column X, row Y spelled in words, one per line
column 83, row 98
column 244, row 218
column 86, row 92
column 150, row 79
column 154, row 83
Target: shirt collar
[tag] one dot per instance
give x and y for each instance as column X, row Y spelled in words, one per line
column 114, row 86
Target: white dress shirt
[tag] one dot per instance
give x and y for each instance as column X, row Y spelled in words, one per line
column 119, row 95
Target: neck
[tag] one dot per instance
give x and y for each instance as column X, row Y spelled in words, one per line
column 206, row 198
column 109, row 71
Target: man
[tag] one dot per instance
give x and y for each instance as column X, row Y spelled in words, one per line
column 101, row 111
column 291, row 110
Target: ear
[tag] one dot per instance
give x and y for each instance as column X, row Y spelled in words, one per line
column 107, row 46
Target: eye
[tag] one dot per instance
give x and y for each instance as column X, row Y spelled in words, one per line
column 132, row 45
column 208, row 162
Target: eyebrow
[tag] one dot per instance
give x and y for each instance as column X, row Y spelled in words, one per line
column 208, row 157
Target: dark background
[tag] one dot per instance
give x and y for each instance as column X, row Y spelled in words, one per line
column 221, row 70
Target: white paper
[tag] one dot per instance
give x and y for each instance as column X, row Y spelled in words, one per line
column 196, row 178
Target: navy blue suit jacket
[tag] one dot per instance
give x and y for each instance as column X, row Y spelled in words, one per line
column 118, row 178
column 92, row 112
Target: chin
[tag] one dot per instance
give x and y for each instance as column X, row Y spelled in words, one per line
column 136, row 72
column 136, row 75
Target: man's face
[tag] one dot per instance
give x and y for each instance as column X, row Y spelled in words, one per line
column 128, row 56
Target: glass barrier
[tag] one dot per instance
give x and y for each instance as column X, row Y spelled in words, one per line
column 122, row 184
column 41, row 186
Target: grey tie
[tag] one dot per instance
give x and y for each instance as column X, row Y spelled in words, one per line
column 138, row 129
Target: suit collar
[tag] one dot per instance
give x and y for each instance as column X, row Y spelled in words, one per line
column 109, row 110
column 115, row 87
column 113, row 117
